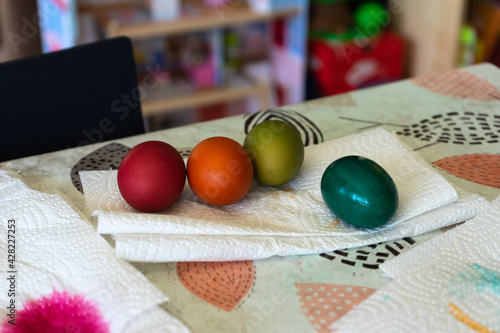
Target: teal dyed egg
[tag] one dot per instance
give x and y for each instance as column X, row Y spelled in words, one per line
column 359, row 192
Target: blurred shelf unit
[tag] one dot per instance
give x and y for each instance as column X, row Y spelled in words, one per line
column 431, row 28
column 223, row 37
column 239, row 16
column 170, row 103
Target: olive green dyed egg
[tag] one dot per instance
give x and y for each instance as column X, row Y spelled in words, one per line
column 359, row 192
column 276, row 150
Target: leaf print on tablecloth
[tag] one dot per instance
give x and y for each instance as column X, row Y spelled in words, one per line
column 107, row 157
column 370, row 256
column 222, row 284
column 309, row 132
column 324, row 303
column 459, row 84
column 482, row 169
column 459, row 128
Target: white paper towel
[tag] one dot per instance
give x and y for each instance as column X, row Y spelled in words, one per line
column 161, row 247
column 57, row 250
column 291, row 219
column 448, row 284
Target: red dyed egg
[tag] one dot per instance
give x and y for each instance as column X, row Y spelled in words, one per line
column 151, row 176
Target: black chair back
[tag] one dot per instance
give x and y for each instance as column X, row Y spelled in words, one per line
column 74, row 97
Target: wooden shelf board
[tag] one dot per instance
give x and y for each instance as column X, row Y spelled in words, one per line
column 165, row 105
column 189, row 24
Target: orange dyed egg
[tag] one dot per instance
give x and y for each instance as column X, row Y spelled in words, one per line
column 220, row 171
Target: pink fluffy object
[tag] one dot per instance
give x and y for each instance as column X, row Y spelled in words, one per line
column 57, row 313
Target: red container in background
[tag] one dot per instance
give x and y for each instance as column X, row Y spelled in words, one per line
column 338, row 67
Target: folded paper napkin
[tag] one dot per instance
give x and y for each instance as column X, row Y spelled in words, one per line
column 56, row 250
column 287, row 220
column 451, row 283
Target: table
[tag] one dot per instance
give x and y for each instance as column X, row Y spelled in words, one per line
column 450, row 119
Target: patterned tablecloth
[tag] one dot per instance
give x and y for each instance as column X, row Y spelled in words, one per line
column 451, row 119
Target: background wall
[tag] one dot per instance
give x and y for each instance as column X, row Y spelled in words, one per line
column 20, row 33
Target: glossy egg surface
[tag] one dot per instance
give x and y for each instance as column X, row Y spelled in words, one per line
column 359, row 192
column 151, row 176
column 220, row 171
column 277, row 152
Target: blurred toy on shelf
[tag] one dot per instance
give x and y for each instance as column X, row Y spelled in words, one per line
column 161, row 10
column 289, row 56
column 484, row 17
column 328, row 16
column 266, row 6
column 186, row 62
column 370, row 18
column 59, row 28
column 245, row 45
column 342, row 67
column 468, row 46
column 197, row 58
column 356, row 51
column 132, row 11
